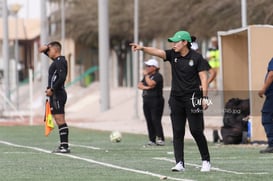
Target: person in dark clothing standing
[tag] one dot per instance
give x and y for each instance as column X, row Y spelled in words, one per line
column 56, row 91
column 153, row 102
column 267, row 110
column 188, row 96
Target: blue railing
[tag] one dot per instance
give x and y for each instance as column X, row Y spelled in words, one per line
column 83, row 76
column 76, row 80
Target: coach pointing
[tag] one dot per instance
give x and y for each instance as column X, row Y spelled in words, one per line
column 187, row 100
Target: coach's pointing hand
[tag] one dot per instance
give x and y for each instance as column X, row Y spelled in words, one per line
column 135, row 47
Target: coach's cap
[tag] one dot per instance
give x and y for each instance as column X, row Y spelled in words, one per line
column 179, row 36
column 152, row 62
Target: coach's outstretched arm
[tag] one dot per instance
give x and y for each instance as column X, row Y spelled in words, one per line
column 150, row 50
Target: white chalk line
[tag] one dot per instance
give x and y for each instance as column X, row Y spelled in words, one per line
column 19, row 152
column 96, row 162
column 84, row 146
column 213, row 168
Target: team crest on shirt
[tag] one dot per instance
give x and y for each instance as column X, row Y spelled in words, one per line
column 191, row 63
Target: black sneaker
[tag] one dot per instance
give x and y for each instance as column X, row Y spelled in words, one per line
column 267, row 150
column 61, row 149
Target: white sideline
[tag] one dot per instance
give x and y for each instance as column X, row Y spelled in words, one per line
column 213, row 168
column 84, row 146
column 96, row 162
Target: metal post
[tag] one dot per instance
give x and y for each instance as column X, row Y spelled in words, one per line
column 43, row 40
column 244, row 13
column 16, row 52
column 30, row 75
column 63, row 25
column 6, row 49
column 13, row 10
column 104, row 54
column 135, row 59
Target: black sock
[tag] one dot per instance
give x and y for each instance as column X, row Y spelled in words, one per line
column 63, row 132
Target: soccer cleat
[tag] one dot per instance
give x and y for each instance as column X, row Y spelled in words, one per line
column 160, row 142
column 267, row 150
column 178, row 167
column 205, row 166
column 151, row 143
column 61, row 149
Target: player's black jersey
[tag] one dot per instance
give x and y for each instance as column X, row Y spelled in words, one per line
column 57, row 73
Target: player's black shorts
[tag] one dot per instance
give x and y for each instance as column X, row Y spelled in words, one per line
column 57, row 102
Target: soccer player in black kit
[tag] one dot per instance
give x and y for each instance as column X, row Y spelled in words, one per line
column 56, row 91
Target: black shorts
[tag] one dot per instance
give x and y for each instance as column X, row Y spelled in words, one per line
column 57, row 102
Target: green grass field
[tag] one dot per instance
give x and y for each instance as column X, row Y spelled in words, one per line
column 25, row 155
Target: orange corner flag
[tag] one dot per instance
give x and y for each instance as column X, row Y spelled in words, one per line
column 49, row 125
